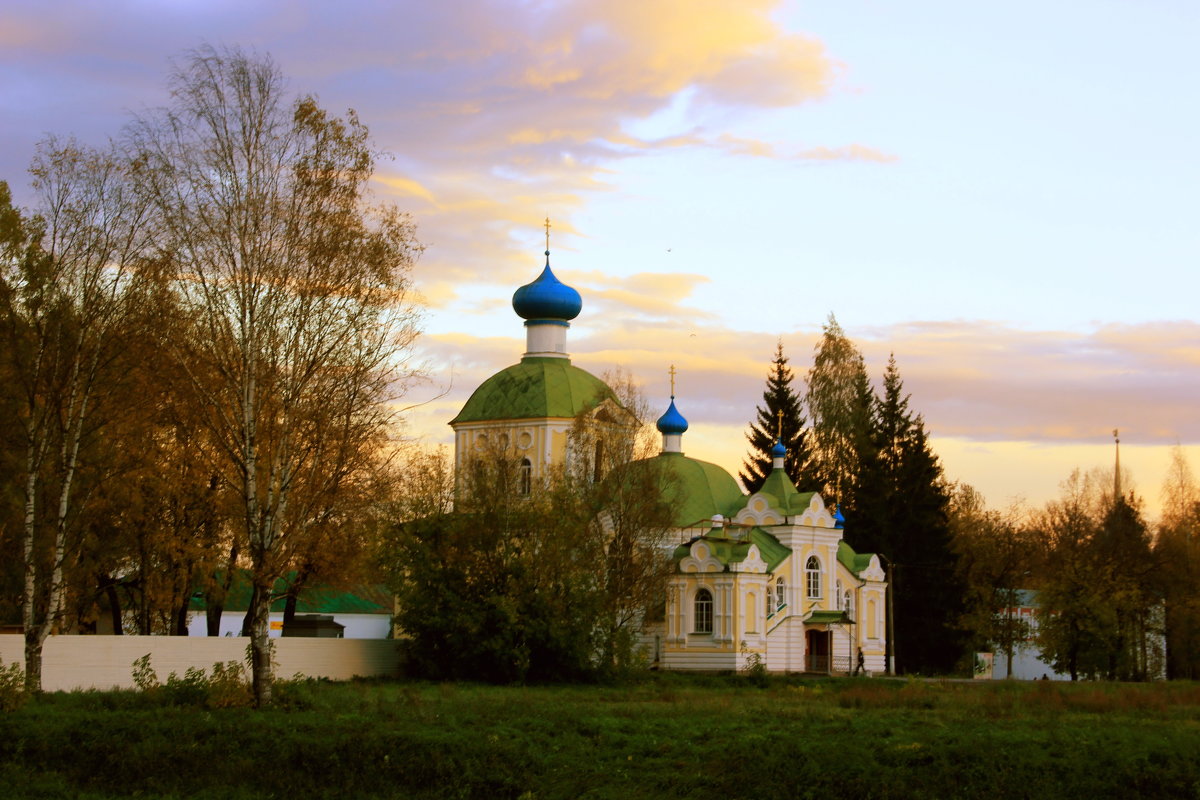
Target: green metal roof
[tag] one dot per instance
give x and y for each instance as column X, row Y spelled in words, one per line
column 732, row 549
column 316, row 599
column 535, row 388
column 772, row 551
column 783, row 495
column 703, row 490
column 827, row 618
column 855, row 562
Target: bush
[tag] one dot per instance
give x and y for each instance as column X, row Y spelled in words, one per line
column 12, row 687
column 227, row 687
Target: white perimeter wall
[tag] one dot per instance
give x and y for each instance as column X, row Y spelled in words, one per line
column 106, row 662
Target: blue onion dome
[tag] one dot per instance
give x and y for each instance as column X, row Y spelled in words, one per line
column 838, row 520
column 546, row 298
column 778, row 451
column 672, row 421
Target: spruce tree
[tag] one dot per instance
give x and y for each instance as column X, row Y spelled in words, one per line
column 781, row 410
column 903, row 503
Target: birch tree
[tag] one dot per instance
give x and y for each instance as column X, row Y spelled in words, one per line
column 298, row 287
column 840, row 405
column 69, row 280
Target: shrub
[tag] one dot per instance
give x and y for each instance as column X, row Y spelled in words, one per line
column 144, row 676
column 756, row 670
column 227, row 687
column 12, row 687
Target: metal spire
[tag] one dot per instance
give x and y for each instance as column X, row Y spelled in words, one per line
column 1117, row 468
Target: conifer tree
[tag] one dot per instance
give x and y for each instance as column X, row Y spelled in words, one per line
column 781, row 411
column 900, row 509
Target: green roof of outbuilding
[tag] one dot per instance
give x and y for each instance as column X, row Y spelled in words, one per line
column 703, row 490
column 535, row 388
column 828, row 617
column 855, row 562
column 733, row 550
column 782, row 493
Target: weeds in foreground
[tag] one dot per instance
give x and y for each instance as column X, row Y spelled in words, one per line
column 12, row 687
column 226, row 686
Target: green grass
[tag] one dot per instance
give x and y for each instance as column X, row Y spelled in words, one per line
column 665, row 736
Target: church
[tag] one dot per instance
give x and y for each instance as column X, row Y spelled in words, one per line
column 762, row 579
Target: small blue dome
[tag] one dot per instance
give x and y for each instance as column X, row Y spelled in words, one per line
column 546, row 298
column 778, row 451
column 838, row 520
column 672, row 421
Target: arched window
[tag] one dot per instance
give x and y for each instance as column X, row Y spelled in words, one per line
column 598, row 466
column 704, row 612
column 812, row 572
column 837, row 595
column 770, row 599
column 780, row 593
column 526, row 476
column 849, row 604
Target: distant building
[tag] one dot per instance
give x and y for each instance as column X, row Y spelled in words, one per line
column 1027, row 664
column 765, row 578
column 363, row 612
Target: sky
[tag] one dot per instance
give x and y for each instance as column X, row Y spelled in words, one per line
column 1002, row 195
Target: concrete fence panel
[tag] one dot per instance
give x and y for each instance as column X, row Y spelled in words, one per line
column 106, row 662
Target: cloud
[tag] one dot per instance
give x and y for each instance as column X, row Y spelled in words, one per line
column 973, row 381
column 986, row 381
column 1011, row 411
column 496, row 114
column 852, row 152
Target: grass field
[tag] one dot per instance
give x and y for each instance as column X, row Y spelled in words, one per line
column 664, row 736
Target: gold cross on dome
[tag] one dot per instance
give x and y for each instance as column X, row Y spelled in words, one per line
column 779, row 426
column 547, row 233
column 672, row 372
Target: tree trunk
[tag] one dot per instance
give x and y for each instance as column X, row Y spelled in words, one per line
column 260, row 646
column 212, row 616
column 33, row 660
column 289, row 607
column 114, row 606
column 248, row 620
column 214, row 600
column 293, row 596
column 33, row 640
column 181, row 618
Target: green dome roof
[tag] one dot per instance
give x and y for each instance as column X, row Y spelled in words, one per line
column 704, row 490
column 535, row 388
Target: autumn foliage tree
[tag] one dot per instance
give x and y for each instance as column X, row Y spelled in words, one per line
column 1177, row 552
column 68, row 283
column 505, row 580
column 296, row 287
